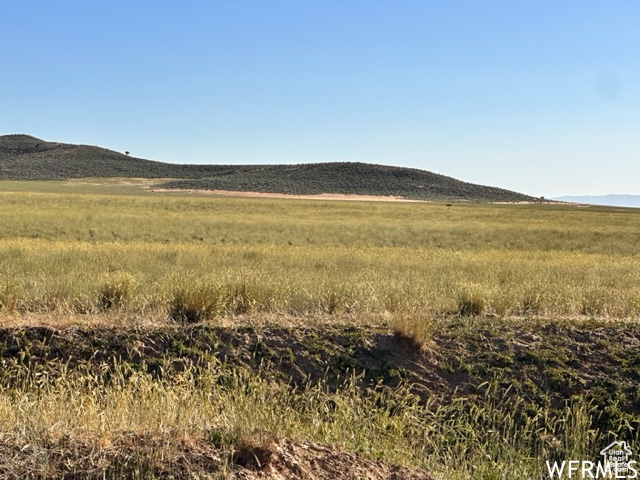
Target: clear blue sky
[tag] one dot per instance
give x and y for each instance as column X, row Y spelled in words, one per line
column 541, row 97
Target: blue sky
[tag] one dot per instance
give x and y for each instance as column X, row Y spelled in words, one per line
column 539, row 97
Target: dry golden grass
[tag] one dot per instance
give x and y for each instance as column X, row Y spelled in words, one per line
column 144, row 277
column 88, row 252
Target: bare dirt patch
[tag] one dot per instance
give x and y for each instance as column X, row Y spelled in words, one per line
column 314, row 462
column 320, row 196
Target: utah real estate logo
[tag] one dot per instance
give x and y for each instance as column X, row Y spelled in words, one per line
column 615, row 463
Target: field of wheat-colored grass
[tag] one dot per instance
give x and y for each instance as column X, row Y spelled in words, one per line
column 70, row 251
column 82, row 276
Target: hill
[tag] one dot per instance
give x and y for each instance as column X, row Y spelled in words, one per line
column 351, row 178
column 23, row 157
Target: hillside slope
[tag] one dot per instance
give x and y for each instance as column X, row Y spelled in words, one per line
column 23, row 157
column 350, row 179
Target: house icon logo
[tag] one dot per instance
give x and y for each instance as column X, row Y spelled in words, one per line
column 616, row 463
column 617, row 456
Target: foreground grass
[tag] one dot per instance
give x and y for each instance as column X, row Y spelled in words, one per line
column 101, row 401
column 387, row 426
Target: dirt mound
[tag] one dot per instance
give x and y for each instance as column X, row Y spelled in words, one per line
column 314, row 462
column 541, row 362
column 139, row 456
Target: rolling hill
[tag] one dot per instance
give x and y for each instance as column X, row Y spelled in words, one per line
column 23, row 157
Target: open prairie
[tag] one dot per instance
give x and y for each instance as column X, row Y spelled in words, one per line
column 146, row 334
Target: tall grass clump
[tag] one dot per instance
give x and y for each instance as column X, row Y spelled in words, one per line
column 471, row 304
column 194, row 302
column 239, row 298
column 116, row 290
column 9, row 295
column 200, row 299
column 416, row 330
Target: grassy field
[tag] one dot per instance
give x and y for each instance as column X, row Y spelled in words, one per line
column 450, row 339
column 305, row 257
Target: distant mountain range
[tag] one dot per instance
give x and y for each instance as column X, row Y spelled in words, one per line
column 23, row 157
column 609, row 200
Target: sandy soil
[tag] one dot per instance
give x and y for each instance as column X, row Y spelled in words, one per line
column 320, row 196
